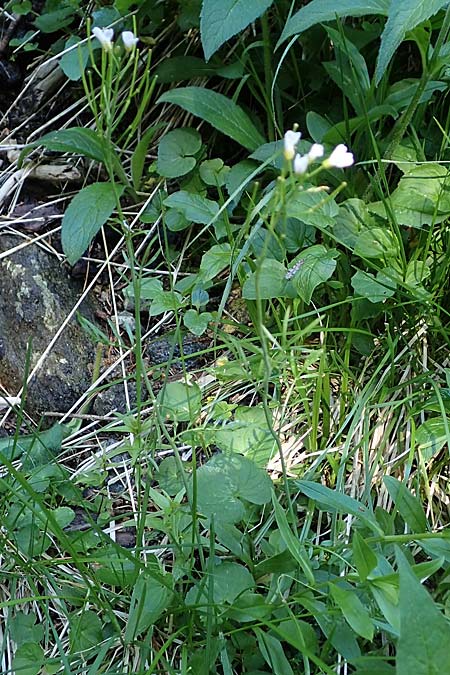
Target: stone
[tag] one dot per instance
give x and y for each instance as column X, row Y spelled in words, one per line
column 36, row 296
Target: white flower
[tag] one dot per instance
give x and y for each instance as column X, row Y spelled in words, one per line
column 316, row 152
column 129, row 40
column 301, row 163
column 291, row 138
column 104, row 36
column 340, row 157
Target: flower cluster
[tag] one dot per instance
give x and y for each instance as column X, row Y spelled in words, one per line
column 339, row 158
column 105, row 37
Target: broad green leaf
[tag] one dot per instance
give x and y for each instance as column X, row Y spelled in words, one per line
column 77, row 140
column 353, row 610
column 363, row 556
column 376, row 289
column 180, row 402
column 400, row 93
column 214, row 172
column 337, row 502
column 28, row 659
column 250, row 481
column 149, row 599
column 222, row 19
column 229, row 580
column 251, row 439
column 407, row 504
column 319, row 11
column 177, row 152
column 85, row 631
column 193, row 207
column 23, row 628
column 197, row 322
column 269, row 282
column 431, row 437
column 63, row 516
column 216, row 495
column 224, row 481
column 422, row 647
column 376, row 242
column 273, row 653
column 74, row 62
column 219, row 111
column 114, row 569
column 313, row 208
column 334, row 628
column 249, row 607
column 37, row 449
column 85, row 215
column 422, row 196
column 316, row 265
column 353, row 217
column 50, row 22
column 403, row 16
column 215, row 260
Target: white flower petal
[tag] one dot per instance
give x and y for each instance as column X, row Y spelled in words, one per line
column 316, row 152
column 104, row 36
column 301, row 164
column 129, row 39
column 291, row 138
column 340, row 157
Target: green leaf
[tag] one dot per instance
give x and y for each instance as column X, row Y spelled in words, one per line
column 376, row 242
column 50, row 22
column 336, row 502
column 193, row 207
column 149, row 600
column 214, row 172
column 404, row 15
column 23, row 628
column 269, row 282
column 317, row 265
column 319, row 11
column 224, row 481
column 73, row 62
column 177, row 152
column 353, row 610
column 37, row 449
column 252, row 439
column 180, row 402
column 408, row 506
column 312, row 208
column 422, row 196
column 422, row 647
column 63, row 516
column 222, row 19
column 85, row 631
column 219, row 111
column 196, row 322
column 215, row 260
column 273, row 653
column 376, row 289
column 85, row 215
column 77, row 140
column 363, row 556
column 229, row 580
column 431, row 437
column 28, row 659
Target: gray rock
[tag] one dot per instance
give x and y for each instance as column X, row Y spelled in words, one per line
column 36, row 295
